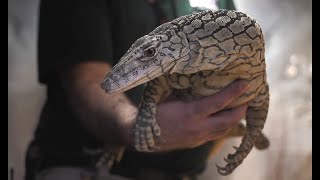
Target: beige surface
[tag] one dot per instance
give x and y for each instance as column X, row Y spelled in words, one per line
column 287, row 25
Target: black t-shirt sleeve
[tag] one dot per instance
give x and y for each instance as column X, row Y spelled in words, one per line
column 72, row 31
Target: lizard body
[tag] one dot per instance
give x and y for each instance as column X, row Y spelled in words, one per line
column 195, row 56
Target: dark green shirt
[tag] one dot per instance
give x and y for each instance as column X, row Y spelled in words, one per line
column 74, row 31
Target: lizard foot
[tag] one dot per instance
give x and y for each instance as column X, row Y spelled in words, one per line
column 235, row 159
column 145, row 131
column 261, row 142
column 232, row 163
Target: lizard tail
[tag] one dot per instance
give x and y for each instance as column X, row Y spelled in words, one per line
column 256, row 117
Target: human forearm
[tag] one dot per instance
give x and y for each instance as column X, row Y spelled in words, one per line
column 108, row 117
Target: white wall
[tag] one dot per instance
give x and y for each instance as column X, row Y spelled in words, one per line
column 25, row 95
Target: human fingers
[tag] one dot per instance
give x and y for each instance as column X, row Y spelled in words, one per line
column 212, row 104
column 218, row 134
column 224, row 120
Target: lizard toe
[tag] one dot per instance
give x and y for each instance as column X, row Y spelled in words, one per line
column 156, row 129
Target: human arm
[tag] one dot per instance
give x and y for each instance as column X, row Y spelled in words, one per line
column 107, row 117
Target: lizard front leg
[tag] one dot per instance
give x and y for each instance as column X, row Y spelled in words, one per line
column 146, row 126
column 255, row 117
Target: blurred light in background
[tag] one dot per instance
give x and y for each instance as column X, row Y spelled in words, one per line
column 210, row 4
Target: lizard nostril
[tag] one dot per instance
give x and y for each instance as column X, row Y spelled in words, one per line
column 104, row 85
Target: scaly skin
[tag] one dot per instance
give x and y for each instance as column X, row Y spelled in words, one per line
column 195, row 56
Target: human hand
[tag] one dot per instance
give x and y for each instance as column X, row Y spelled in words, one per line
column 190, row 124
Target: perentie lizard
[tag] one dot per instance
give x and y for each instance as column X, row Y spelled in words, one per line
column 194, row 56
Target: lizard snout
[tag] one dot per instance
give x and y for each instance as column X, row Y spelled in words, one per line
column 107, row 84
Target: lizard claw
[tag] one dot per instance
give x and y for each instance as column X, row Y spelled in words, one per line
column 236, row 148
column 230, row 156
column 227, row 160
column 223, row 170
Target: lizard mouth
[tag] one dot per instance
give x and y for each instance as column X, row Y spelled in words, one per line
column 111, row 85
column 116, row 82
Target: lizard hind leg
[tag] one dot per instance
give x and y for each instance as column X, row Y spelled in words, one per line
column 262, row 142
column 256, row 117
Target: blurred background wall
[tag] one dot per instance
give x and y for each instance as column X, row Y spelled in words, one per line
column 288, row 34
column 25, row 95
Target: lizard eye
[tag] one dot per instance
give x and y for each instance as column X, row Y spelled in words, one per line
column 150, row 52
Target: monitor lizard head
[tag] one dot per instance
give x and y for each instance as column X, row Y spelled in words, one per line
column 149, row 57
